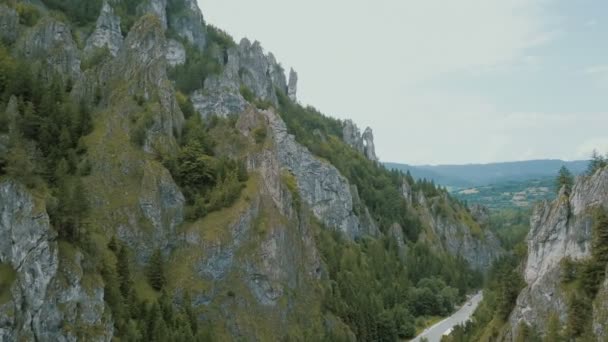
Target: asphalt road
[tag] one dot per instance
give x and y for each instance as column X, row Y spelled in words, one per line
column 434, row 333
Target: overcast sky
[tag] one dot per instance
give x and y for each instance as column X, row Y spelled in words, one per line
column 443, row 81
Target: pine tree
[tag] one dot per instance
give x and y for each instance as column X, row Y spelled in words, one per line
column 564, row 178
column 156, row 272
column 553, row 329
column 597, row 162
column 124, row 272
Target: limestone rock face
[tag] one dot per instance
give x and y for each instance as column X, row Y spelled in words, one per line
column 157, row 8
column 39, row 307
column 352, row 136
column 143, row 62
column 246, row 65
column 368, row 142
column 176, row 53
column 481, row 214
column 188, row 22
column 9, row 24
column 51, row 41
column 320, row 184
column 292, row 87
column 364, row 143
column 107, row 32
column 561, row 229
column 600, row 312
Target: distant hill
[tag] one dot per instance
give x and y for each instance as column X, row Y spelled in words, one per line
column 469, row 175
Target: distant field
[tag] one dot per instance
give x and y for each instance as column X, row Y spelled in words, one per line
column 509, row 194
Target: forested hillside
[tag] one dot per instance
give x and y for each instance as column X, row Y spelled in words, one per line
column 160, row 182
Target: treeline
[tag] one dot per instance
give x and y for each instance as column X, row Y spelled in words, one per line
column 156, row 318
column 582, row 279
column 44, row 149
column 383, row 299
column 201, row 64
column 378, row 187
column 380, row 292
column 79, row 12
column 209, row 182
column 503, row 284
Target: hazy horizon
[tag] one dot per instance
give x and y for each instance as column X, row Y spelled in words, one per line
column 444, row 83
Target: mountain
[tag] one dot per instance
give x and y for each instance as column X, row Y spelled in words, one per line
column 160, row 182
column 471, row 175
column 565, row 271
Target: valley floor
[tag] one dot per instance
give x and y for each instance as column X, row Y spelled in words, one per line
column 434, row 333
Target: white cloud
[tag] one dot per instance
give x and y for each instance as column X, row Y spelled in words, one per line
column 596, row 69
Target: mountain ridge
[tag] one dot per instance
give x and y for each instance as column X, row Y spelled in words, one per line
column 466, row 175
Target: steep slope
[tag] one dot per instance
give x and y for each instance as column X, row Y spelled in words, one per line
column 562, row 251
column 167, row 186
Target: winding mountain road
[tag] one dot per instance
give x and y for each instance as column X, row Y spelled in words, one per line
column 434, row 333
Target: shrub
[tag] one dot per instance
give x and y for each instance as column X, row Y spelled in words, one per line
column 247, row 94
column 259, row 134
column 28, row 14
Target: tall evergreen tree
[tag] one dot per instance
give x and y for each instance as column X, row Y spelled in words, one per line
column 156, row 271
column 564, row 178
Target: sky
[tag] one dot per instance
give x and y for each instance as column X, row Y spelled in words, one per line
column 444, row 81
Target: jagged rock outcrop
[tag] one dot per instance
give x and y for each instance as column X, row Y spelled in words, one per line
column 188, row 22
column 148, row 205
column 561, row 229
column 352, row 136
column 292, row 86
column 51, row 41
column 157, row 8
column 368, row 142
column 263, row 247
column 320, row 184
column 143, row 63
column 481, row 214
column 406, row 192
column 458, row 236
column 40, row 306
column 176, row 53
column 364, row 143
column 9, row 24
column 248, row 66
column 107, row 32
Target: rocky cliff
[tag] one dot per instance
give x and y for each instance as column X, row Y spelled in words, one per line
column 254, row 267
column 560, row 230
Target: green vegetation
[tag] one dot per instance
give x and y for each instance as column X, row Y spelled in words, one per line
column 96, row 58
column 511, row 226
column 45, row 150
column 378, row 296
column 249, row 96
column 7, row 277
column 156, row 271
column 79, row 12
column 127, row 11
column 564, row 179
column 597, row 162
column 503, row 284
column 149, row 319
column 581, row 280
column 512, row 194
column 209, row 183
column 28, row 14
column 200, row 64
